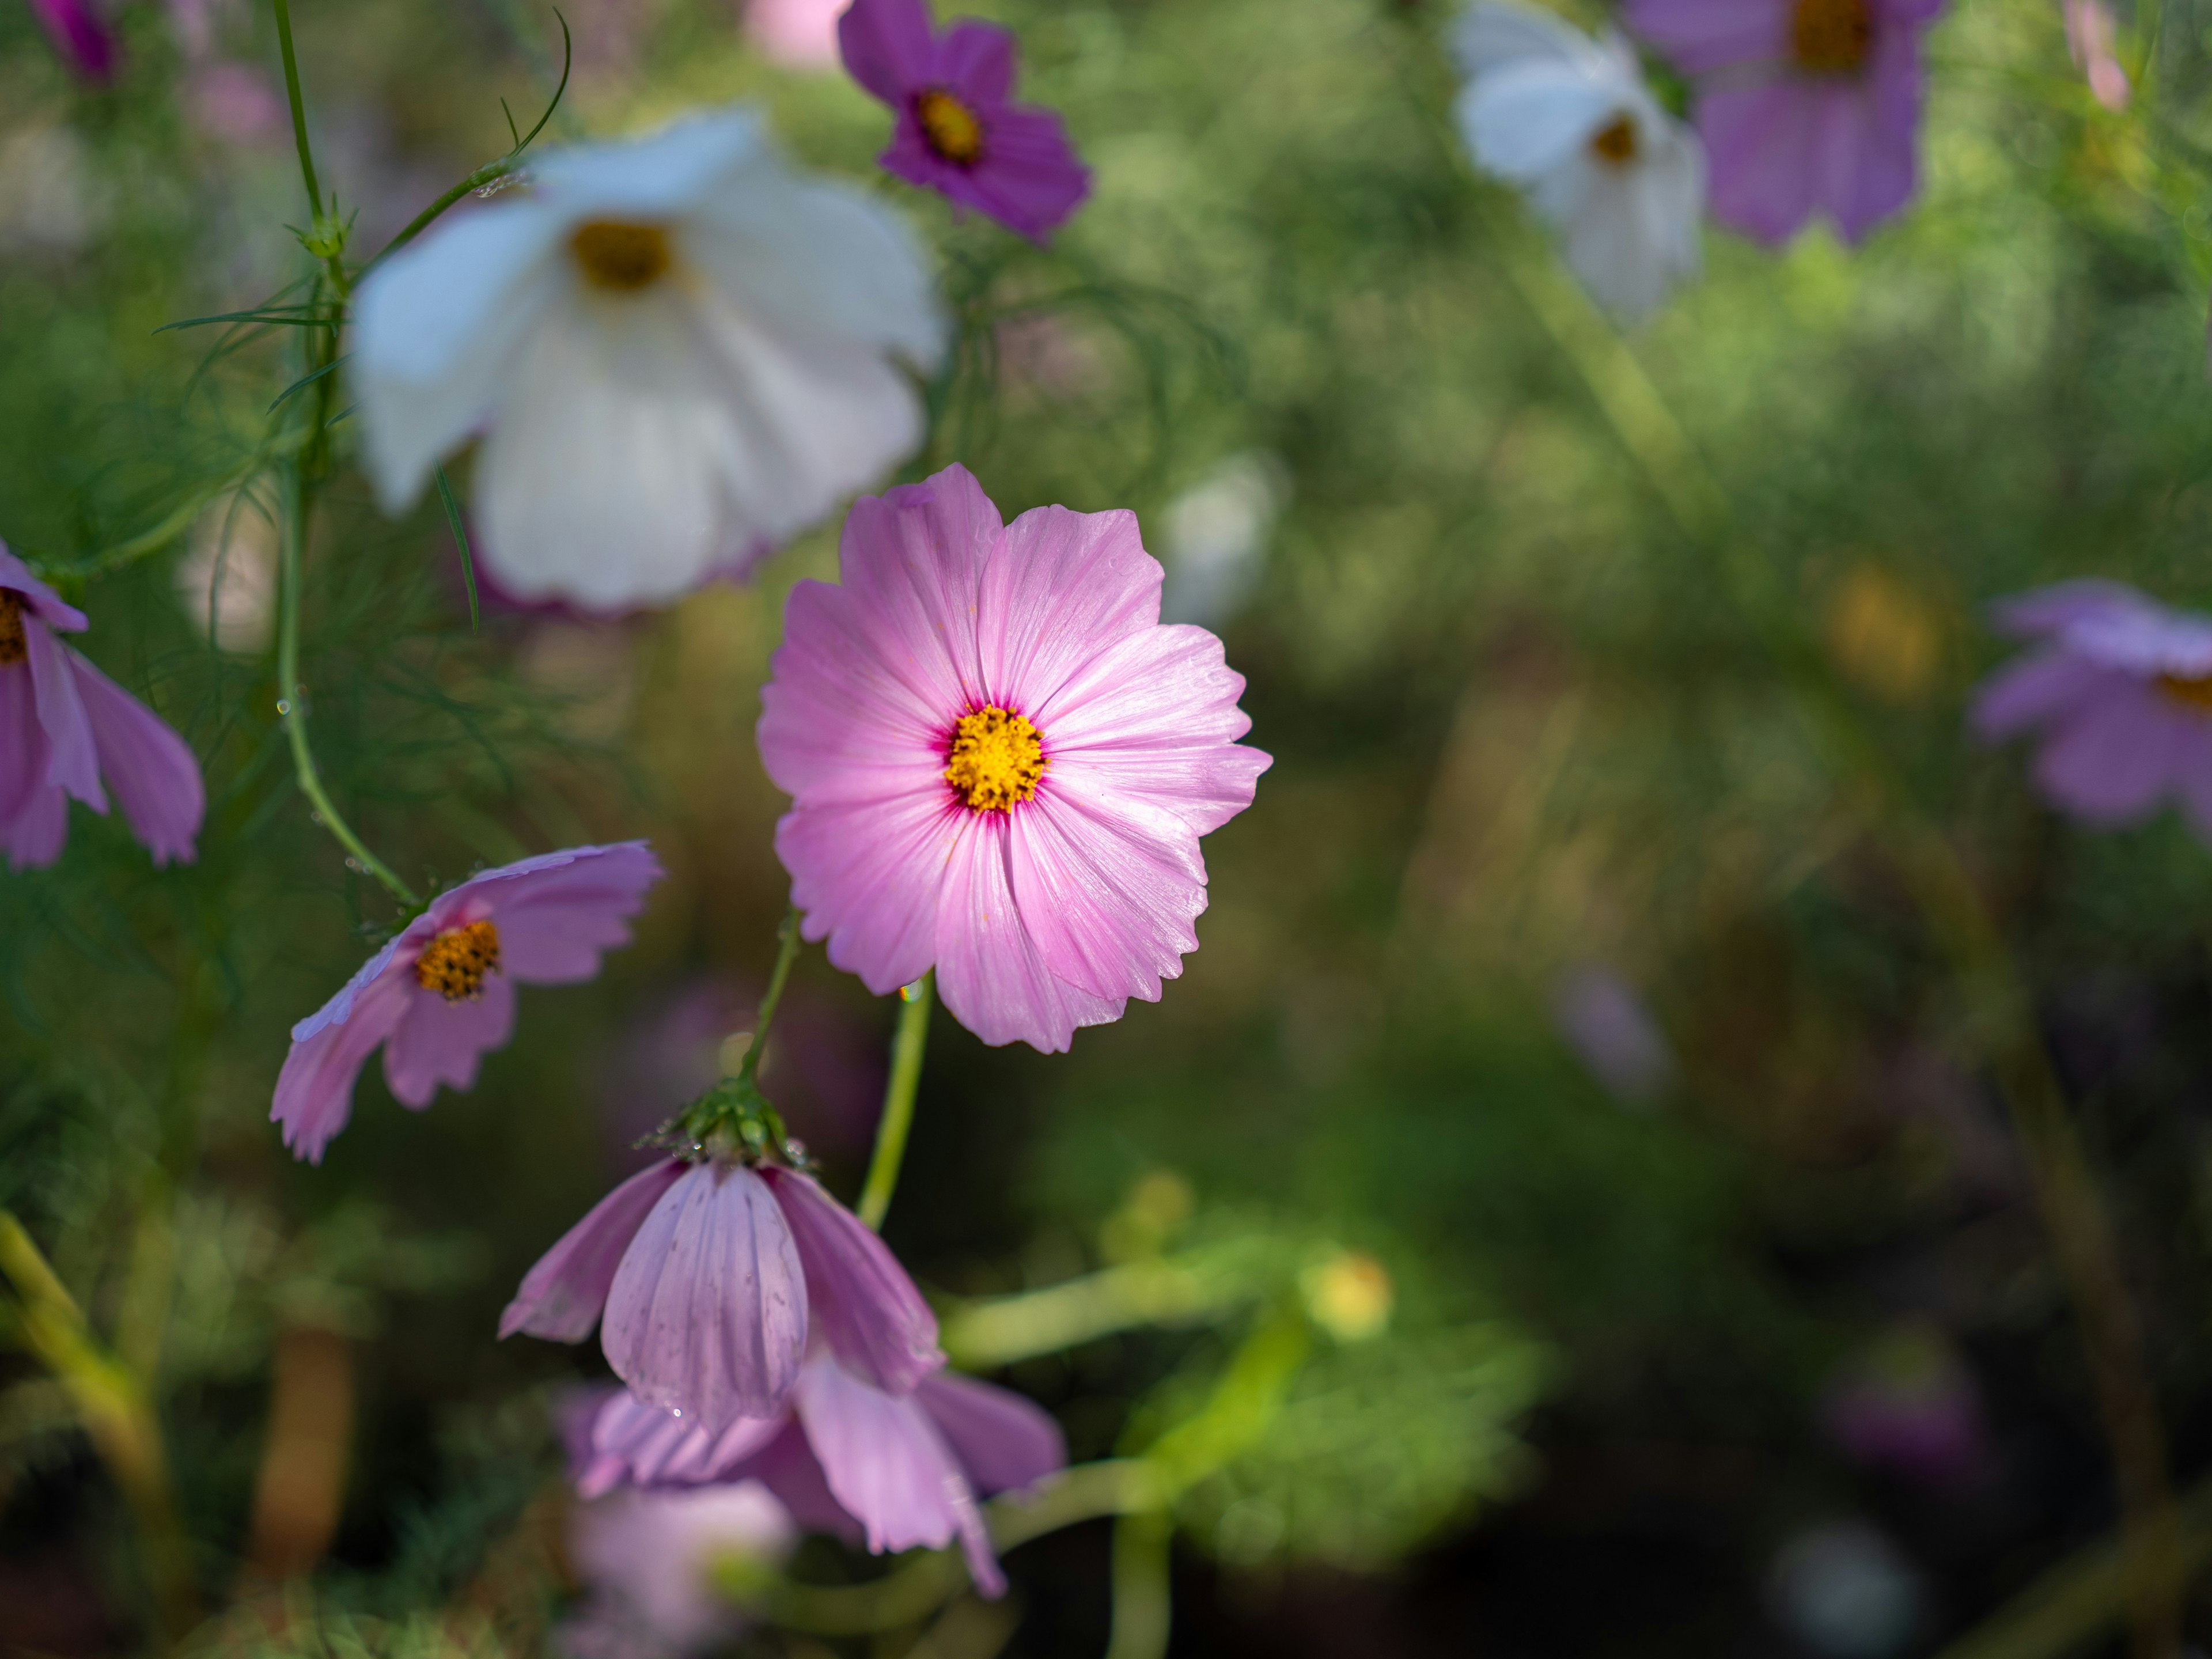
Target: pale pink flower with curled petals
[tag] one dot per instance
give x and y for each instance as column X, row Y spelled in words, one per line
column 1000, row 762
column 895, row 1471
column 442, row 993
column 711, row 1277
column 66, row 729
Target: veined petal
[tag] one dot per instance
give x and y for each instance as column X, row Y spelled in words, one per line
column 1061, row 588
column 437, row 1042
column 314, row 1091
column 557, row 914
column 152, row 771
column 436, row 328
column 73, row 755
column 869, row 877
column 560, row 1297
column 707, row 1313
column 1108, row 895
column 913, row 559
column 1003, row 1441
column 860, row 1297
column 630, row 1444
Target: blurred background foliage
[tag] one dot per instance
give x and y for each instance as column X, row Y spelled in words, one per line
column 1568, row 1126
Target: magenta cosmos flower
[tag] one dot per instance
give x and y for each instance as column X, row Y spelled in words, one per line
column 1805, row 107
column 710, row 1277
column 65, row 728
column 897, row 1470
column 958, row 134
column 999, row 761
column 442, row 993
column 2121, row 694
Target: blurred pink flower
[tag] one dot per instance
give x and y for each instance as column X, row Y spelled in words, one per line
column 235, row 103
column 797, row 34
column 646, row 1559
column 2120, row 694
column 441, row 995
column 1907, row 1402
column 898, row 1470
column 1001, row 763
column 1807, row 106
column 66, row 729
column 957, row 132
column 711, row 1276
column 81, row 38
column 2089, row 38
column 1605, row 1022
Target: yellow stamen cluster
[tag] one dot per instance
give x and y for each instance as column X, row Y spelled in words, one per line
column 13, row 647
column 454, row 964
column 996, row 760
column 1615, row 141
column 1830, row 37
column 621, row 258
column 952, row 128
column 2193, row 691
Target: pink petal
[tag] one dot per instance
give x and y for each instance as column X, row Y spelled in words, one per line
column 1061, row 589
column 708, row 1312
column 868, row 878
column 990, row 971
column 912, row 560
column 2053, row 610
column 891, row 1469
column 886, row 45
column 85, row 43
column 860, row 1298
column 437, row 1042
column 74, row 762
column 787, row 1466
column 1108, row 890
column 838, row 719
column 633, row 1445
column 26, row 757
column 152, row 771
column 33, row 835
column 1028, row 177
column 1760, row 139
column 1004, row 1442
column 555, row 918
column 975, row 61
column 2113, row 760
column 314, row 1091
column 1885, row 168
column 560, row 1297
column 1702, row 35
column 40, row 600
column 2037, row 689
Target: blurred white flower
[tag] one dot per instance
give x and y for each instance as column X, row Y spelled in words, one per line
column 1569, row 121
column 648, row 1558
column 1216, row 540
column 680, row 351
column 1843, row 1589
column 227, row 581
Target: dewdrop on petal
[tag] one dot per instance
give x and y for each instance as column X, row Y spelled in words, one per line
column 680, row 352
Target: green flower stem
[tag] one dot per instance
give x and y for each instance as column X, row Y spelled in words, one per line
column 299, row 107
column 490, row 173
column 111, row 1400
column 1144, row 1609
column 786, row 952
column 897, row 1119
column 983, row 1335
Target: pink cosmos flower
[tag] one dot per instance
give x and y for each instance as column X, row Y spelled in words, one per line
column 898, row 1470
column 65, row 728
column 957, row 132
column 86, row 43
column 2121, row 694
column 1805, row 107
column 441, row 995
column 1001, row 763
column 710, row 1276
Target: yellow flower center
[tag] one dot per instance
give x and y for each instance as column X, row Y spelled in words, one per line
column 619, row 257
column 1830, row 37
column 1615, row 141
column 13, row 647
column 950, row 125
column 2193, row 691
column 997, row 758
column 454, row 964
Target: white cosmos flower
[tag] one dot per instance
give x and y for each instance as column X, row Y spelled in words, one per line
column 1569, row 120
column 680, row 353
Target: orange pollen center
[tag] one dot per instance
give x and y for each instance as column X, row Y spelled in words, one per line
column 13, row 647
column 1830, row 37
column 621, row 258
column 996, row 760
column 950, row 125
column 1615, row 141
column 454, row 964
column 2193, row 691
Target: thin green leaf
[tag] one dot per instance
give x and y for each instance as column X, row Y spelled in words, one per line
column 461, row 541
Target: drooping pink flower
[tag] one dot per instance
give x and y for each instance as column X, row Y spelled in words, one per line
column 711, row 1277
column 1001, row 763
column 2120, row 693
column 897, row 1471
column 441, row 995
column 82, row 39
column 957, row 132
column 1805, row 107
column 66, row 728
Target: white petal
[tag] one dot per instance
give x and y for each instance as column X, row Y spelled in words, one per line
column 435, row 329
column 664, row 176
column 1494, row 35
column 1524, row 120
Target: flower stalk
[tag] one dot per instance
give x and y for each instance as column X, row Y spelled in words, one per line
column 898, row 1119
